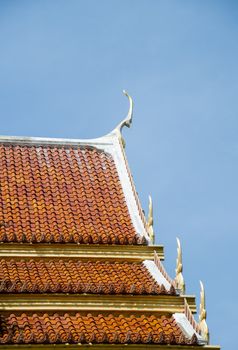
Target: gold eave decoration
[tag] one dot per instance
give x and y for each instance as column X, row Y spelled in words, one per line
column 92, row 252
column 156, row 304
column 203, row 315
column 179, row 280
column 150, row 222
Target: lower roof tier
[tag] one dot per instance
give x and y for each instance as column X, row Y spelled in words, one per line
column 70, row 276
column 74, row 328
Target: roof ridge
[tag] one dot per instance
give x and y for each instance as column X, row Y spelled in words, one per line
column 38, row 140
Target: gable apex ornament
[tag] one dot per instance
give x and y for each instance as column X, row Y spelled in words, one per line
column 125, row 122
column 203, row 314
column 179, row 280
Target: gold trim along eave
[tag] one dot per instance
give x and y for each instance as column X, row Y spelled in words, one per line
column 80, row 251
column 109, row 347
column 96, row 302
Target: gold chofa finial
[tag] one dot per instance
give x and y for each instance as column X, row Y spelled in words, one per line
column 203, row 315
column 127, row 121
column 150, row 221
column 179, row 280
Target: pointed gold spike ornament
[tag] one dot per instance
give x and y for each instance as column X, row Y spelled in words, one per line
column 127, row 121
column 150, row 221
column 179, row 280
column 203, row 315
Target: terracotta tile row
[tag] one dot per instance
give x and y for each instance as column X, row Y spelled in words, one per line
column 62, row 194
column 40, row 276
column 76, row 328
column 65, row 237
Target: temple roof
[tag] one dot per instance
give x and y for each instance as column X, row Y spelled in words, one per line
column 74, row 240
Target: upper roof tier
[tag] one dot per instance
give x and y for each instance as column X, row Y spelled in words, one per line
column 60, row 190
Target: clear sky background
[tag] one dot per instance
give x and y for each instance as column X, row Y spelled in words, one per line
column 63, row 65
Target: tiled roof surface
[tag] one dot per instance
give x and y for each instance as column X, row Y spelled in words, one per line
column 76, row 328
column 72, row 194
column 34, row 276
column 62, row 194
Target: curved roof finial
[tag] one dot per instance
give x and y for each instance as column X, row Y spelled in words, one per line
column 127, row 121
column 203, row 314
column 179, row 280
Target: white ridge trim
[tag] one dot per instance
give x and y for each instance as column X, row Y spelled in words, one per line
column 187, row 328
column 156, row 274
column 119, row 160
column 100, row 142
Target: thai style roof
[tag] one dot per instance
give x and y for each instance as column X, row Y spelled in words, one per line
column 78, row 264
column 63, row 193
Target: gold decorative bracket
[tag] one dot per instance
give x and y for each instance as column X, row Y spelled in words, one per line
column 203, row 315
column 127, row 121
column 179, row 280
column 150, row 222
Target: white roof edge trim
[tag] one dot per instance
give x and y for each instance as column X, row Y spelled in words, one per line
column 187, row 328
column 108, row 143
column 156, row 274
column 27, row 140
column 119, row 160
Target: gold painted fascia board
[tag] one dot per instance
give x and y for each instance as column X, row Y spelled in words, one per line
column 109, row 347
column 80, row 251
column 96, row 302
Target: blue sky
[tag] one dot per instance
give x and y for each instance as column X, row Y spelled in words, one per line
column 63, row 65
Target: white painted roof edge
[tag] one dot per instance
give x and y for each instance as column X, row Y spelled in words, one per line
column 187, row 328
column 156, row 274
column 127, row 186
column 108, row 143
column 27, row 140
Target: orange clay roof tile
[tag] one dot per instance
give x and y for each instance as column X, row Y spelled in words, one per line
column 76, row 328
column 66, row 276
column 62, row 194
